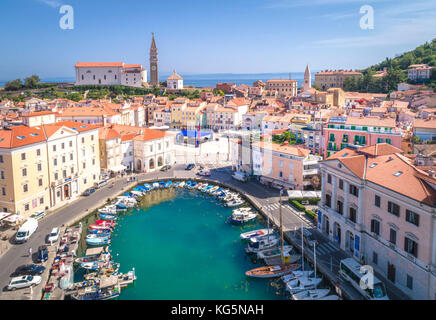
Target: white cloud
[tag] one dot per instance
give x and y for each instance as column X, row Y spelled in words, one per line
column 51, row 3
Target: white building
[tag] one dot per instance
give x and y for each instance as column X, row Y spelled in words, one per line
column 175, row 82
column 110, row 73
column 152, row 150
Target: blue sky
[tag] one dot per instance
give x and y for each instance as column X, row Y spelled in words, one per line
column 209, row 36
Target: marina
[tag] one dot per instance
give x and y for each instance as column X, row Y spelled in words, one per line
column 236, row 248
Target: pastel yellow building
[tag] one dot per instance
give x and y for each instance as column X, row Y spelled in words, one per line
column 46, row 166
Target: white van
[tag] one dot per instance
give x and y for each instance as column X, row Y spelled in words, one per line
column 26, row 230
column 100, row 183
column 239, row 176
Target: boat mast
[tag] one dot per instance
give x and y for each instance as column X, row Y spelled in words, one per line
column 267, row 218
column 314, row 253
column 302, row 246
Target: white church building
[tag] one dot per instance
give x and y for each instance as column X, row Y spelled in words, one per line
column 175, row 82
column 110, row 73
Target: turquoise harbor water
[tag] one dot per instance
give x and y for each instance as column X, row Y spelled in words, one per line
column 181, row 248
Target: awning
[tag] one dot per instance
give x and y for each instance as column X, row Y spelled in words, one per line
column 118, row 168
column 295, row 194
column 4, row 215
column 12, row 219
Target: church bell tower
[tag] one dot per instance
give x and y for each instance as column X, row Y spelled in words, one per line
column 154, row 73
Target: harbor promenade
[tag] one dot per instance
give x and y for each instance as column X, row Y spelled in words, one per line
column 265, row 199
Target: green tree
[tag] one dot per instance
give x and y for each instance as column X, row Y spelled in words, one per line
column 31, row 82
column 13, row 85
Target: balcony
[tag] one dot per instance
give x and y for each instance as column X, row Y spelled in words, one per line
column 310, row 172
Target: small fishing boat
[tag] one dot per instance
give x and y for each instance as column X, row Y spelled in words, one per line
column 155, row 185
column 95, row 293
column 108, row 217
column 235, row 203
column 271, row 271
column 162, row 184
column 256, row 233
column 213, row 189
column 137, row 193
column 168, row 184
column 97, row 241
column 99, row 227
column 188, row 184
column 98, row 236
column 148, row 186
column 192, row 186
column 176, row 184
column 209, row 187
column 242, row 217
column 121, row 206
column 100, row 230
column 302, row 284
column 258, row 244
column 182, row 184
column 106, row 223
column 314, row 294
column 199, row 186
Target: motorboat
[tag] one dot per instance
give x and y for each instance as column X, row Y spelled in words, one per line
column 217, row 192
column 314, row 294
column 188, row 184
column 176, row 184
column 271, row 271
column 243, row 217
column 137, row 193
column 277, row 252
column 168, row 184
column 258, row 244
column 200, row 185
column 182, row 184
column 255, row 233
column 162, row 184
column 110, row 209
column 235, row 203
column 95, row 293
column 302, row 284
column 240, row 210
column 155, row 185
column 297, row 274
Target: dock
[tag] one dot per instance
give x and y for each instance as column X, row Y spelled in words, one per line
column 62, row 267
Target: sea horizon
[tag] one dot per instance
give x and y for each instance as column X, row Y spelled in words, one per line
column 203, row 79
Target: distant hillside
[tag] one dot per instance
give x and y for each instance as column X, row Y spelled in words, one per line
column 425, row 53
column 396, row 71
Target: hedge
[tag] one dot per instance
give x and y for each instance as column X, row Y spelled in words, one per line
column 310, row 214
column 298, row 205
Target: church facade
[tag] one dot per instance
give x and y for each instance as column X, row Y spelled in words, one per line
column 110, row 73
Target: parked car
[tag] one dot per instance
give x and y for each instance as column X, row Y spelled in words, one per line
column 54, row 235
column 38, row 214
column 204, row 172
column 26, row 230
column 88, row 191
column 165, row 168
column 24, row 282
column 32, row 269
column 101, row 183
column 190, row 166
column 42, row 254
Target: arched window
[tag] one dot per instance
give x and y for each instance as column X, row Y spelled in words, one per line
column 151, row 164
